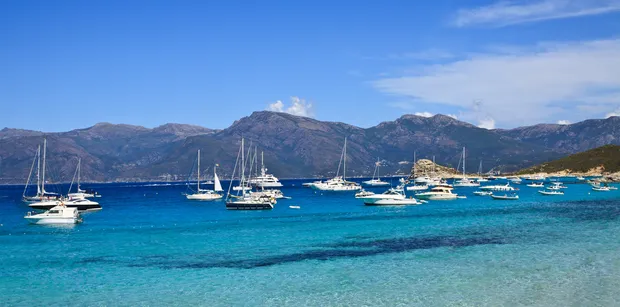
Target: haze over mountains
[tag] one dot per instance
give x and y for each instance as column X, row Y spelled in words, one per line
column 293, row 146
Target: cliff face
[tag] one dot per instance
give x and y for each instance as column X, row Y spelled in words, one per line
column 293, row 146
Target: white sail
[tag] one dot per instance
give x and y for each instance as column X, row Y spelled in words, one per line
column 218, row 185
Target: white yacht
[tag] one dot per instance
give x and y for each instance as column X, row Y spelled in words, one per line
column 376, row 180
column 202, row 194
column 465, row 182
column 515, row 179
column 246, row 201
column 56, row 215
column 439, row 192
column 272, row 193
column 41, row 195
column 338, row 183
column 265, row 180
column 391, row 197
column 505, row 187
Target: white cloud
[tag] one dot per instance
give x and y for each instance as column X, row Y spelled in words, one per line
column 613, row 113
column 487, row 123
column 504, row 13
column 525, row 86
column 564, row 122
column 277, row 106
column 298, row 107
column 424, row 114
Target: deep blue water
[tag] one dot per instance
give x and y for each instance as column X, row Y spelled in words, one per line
column 150, row 246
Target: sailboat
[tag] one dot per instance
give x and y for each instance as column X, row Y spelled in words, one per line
column 202, row 194
column 265, row 180
column 418, row 186
column 338, row 183
column 41, row 195
column 246, row 201
column 376, row 180
column 80, row 193
column 465, row 182
column 480, row 178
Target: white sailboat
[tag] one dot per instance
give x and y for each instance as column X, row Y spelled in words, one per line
column 465, row 182
column 41, row 195
column 376, row 180
column 338, row 183
column 417, row 185
column 246, row 201
column 80, row 193
column 202, row 194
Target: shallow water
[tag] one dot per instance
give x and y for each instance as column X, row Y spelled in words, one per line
column 150, row 246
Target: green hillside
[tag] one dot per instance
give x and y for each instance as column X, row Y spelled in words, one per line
column 607, row 156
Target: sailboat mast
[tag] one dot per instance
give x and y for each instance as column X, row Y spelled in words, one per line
column 43, row 172
column 79, row 171
column 38, row 170
column 414, row 162
column 199, row 170
column 241, row 183
column 262, row 163
column 344, row 169
column 463, row 161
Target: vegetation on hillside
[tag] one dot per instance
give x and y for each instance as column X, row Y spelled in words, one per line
column 607, row 157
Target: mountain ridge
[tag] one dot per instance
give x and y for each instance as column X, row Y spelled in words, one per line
column 294, row 146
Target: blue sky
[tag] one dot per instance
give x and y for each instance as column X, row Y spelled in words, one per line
column 71, row 64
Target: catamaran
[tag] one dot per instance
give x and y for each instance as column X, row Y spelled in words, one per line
column 376, row 180
column 202, row 194
column 465, row 182
column 41, row 195
column 338, row 183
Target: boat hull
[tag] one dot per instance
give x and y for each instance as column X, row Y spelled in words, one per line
column 391, row 202
column 52, row 220
column 267, row 184
column 203, row 196
column 82, row 206
column 243, row 205
column 436, row 196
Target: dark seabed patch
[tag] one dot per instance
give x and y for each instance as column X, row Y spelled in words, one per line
column 353, row 249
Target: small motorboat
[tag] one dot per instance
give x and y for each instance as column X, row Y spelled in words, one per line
column 418, row 187
column 363, row 193
column 505, row 197
column 294, row 207
column 550, row 192
column 60, row 214
column 536, row 185
column 601, row 189
column 483, row 193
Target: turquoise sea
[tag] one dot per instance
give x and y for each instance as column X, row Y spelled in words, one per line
column 150, row 246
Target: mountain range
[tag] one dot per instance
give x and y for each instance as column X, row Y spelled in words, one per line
column 293, row 147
